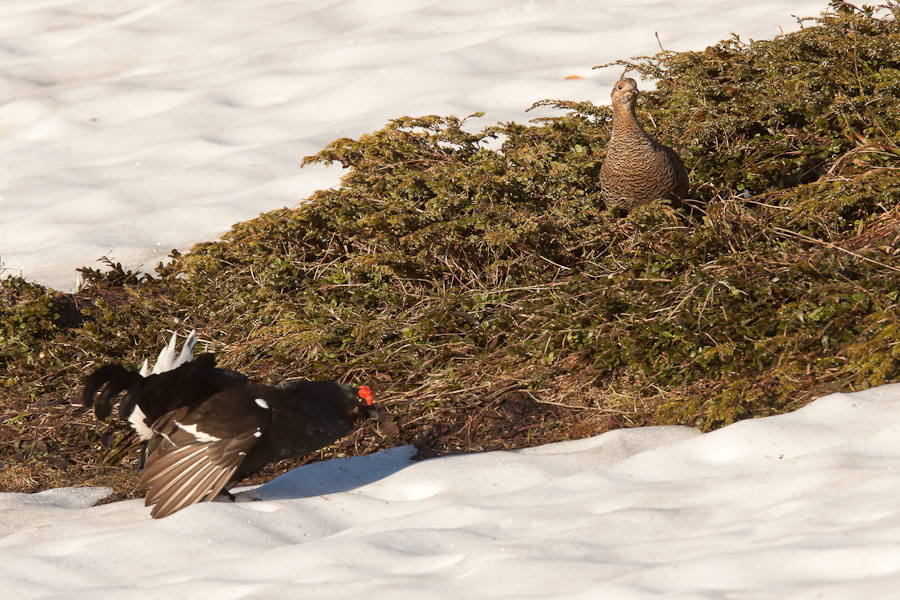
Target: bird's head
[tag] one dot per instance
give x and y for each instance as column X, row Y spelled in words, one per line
column 365, row 400
column 625, row 93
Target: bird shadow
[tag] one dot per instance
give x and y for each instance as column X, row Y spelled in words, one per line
column 332, row 476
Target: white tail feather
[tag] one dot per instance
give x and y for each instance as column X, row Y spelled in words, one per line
column 187, row 351
column 167, row 360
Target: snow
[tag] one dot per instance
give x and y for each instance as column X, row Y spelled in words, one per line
column 803, row 505
column 129, row 128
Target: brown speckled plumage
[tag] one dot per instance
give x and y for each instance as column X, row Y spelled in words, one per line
column 637, row 168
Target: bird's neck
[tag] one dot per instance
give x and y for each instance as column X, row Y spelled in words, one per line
column 625, row 123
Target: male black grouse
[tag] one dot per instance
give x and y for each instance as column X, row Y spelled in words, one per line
column 206, row 428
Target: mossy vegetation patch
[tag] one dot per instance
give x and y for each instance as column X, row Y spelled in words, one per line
column 490, row 299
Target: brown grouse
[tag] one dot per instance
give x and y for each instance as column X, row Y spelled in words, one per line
column 206, row 428
column 637, row 168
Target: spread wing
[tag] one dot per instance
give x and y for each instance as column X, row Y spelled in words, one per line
column 197, row 451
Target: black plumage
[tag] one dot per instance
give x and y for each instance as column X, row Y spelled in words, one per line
column 208, row 428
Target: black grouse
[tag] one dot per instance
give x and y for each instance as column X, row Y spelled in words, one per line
column 207, row 428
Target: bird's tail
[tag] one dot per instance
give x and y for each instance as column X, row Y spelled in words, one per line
column 166, row 361
column 103, row 387
column 113, row 379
